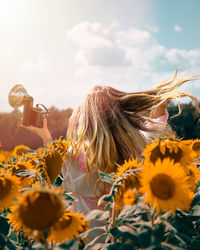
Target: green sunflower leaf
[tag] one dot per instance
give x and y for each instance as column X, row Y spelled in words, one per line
column 26, row 173
column 106, row 177
column 97, row 215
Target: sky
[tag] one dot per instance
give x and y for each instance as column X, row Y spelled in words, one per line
column 59, row 49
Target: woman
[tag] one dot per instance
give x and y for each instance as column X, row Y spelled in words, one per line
column 111, row 126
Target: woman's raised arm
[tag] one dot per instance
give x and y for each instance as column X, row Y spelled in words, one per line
column 43, row 132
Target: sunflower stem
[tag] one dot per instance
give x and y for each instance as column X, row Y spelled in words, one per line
column 113, row 221
column 18, row 237
column 152, row 216
column 46, row 245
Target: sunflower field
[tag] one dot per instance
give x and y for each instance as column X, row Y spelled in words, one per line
column 153, row 203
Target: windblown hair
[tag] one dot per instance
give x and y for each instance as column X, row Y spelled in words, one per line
column 107, row 126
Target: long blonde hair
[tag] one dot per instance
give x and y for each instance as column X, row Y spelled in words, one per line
column 107, row 126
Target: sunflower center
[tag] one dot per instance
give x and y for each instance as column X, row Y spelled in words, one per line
column 5, row 186
column 196, row 146
column 40, row 210
column 63, row 223
column 156, row 153
column 162, row 186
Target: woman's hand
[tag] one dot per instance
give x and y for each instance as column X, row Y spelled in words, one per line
column 160, row 110
column 42, row 132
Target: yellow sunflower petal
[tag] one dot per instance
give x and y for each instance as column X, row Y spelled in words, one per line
column 9, row 190
column 38, row 210
column 174, row 149
column 162, row 147
column 22, row 165
column 20, row 150
column 69, row 226
column 130, row 164
column 166, row 186
column 129, row 197
column 130, row 181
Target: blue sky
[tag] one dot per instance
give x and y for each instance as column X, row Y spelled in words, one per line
column 60, row 49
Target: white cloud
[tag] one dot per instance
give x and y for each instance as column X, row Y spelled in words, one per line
column 40, row 64
column 152, row 28
column 39, row 76
column 130, row 58
column 189, row 58
column 90, row 35
column 177, row 28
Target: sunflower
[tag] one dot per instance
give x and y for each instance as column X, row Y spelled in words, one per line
column 20, row 150
column 69, row 226
column 57, row 145
column 128, row 165
column 196, row 146
column 5, row 156
column 166, row 186
column 20, row 165
column 52, row 164
column 193, row 176
column 37, row 211
column 173, row 148
column 130, row 180
column 129, row 197
column 9, row 190
column 12, row 221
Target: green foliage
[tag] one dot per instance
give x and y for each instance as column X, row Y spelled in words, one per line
column 4, row 228
column 141, row 227
column 135, row 227
column 26, row 173
column 6, row 240
column 182, row 124
column 106, row 177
